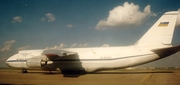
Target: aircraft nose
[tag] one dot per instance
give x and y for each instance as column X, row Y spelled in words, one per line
column 8, row 63
column 10, row 60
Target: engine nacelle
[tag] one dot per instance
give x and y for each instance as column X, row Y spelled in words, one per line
column 35, row 62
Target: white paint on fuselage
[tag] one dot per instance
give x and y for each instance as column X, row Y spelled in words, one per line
column 113, row 57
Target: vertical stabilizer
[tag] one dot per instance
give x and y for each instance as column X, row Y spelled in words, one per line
column 161, row 33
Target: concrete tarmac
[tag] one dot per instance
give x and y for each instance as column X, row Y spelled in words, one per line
column 118, row 77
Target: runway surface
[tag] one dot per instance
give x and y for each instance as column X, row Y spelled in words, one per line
column 118, row 77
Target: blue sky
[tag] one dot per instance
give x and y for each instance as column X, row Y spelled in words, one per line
column 39, row 24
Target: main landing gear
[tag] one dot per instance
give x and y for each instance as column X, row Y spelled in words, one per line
column 24, row 71
column 48, row 70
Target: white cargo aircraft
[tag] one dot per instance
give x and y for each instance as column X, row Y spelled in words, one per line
column 154, row 44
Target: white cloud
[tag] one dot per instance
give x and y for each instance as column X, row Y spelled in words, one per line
column 17, row 19
column 126, row 16
column 57, row 47
column 8, row 45
column 79, row 45
column 105, row 45
column 49, row 17
column 73, row 45
column 69, row 26
column 84, row 45
column 23, row 48
column 62, row 45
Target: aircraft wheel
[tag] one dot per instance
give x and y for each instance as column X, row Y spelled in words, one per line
column 24, row 71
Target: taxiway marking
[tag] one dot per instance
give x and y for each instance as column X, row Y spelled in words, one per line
column 147, row 76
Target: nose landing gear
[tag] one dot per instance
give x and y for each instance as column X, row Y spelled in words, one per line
column 24, row 71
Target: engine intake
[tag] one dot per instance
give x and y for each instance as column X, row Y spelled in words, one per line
column 35, row 62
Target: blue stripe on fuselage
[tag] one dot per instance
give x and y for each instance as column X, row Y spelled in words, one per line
column 16, row 61
column 87, row 59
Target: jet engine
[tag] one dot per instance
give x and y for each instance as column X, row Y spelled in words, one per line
column 36, row 62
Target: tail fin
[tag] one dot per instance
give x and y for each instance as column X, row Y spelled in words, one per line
column 161, row 33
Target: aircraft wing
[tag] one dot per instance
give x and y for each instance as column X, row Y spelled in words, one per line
column 59, row 54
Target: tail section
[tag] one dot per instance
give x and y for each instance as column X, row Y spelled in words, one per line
column 161, row 33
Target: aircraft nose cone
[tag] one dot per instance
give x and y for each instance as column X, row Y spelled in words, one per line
column 8, row 63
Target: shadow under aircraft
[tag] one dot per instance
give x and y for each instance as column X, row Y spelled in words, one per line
column 69, row 65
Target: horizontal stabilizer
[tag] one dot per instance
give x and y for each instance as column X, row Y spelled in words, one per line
column 164, row 52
